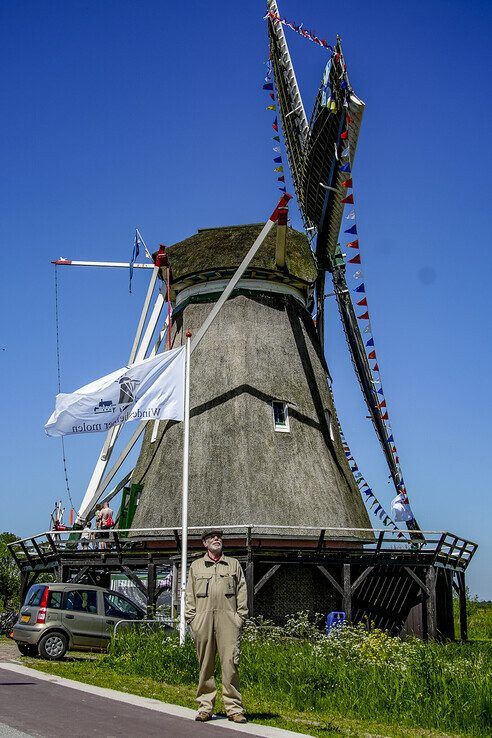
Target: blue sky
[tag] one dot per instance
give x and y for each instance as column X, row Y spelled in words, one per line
column 151, row 114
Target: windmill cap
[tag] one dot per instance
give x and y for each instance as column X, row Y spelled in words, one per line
column 208, row 533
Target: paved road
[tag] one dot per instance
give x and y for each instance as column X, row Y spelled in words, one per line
column 42, row 709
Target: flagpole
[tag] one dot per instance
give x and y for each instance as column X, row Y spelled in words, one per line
column 184, row 509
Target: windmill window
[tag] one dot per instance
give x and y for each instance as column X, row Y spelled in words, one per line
column 281, row 417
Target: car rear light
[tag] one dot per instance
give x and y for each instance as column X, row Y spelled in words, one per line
column 43, row 603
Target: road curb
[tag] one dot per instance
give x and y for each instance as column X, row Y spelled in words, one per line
column 265, row 731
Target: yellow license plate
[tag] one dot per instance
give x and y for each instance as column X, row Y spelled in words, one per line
column 25, row 618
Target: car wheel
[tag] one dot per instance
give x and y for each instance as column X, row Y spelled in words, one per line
column 27, row 649
column 53, row 646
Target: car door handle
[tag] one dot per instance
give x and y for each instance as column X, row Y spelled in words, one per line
column 110, row 622
column 70, row 617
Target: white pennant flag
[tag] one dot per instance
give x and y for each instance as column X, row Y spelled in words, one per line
column 350, row 216
column 152, row 389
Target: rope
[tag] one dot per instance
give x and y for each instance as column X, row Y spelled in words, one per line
column 58, row 370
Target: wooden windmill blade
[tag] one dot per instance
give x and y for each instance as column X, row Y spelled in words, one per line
column 290, row 107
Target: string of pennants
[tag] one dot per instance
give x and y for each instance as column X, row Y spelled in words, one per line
column 358, row 294
column 359, row 297
column 370, row 498
column 272, row 106
column 310, row 35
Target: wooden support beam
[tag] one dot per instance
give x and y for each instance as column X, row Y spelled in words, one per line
column 463, row 613
column 347, row 591
column 266, row 577
column 136, row 580
column 330, row 578
column 38, row 550
column 430, row 580
column 117, row 543
column 250, row 587
column 361, row 578
column 26, row 553
column 52, row 545
column 177, row 539
column 417, row 579
column 151, row 588
column 380, row 542
column 81, row 574
column 321, row 540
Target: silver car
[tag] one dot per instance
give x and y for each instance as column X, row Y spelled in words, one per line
column 57, row 617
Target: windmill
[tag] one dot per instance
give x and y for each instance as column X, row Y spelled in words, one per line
column 268, row 462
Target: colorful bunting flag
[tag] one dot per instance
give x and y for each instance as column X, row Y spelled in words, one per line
column 268, row 86
column 355, row 260
column 349, row 200
column 277, row 159
column 364, row 316
column 352, row 230
column 385, row 416
column 345, row 167
column 363, row 303
column 347, row 183
column 370, row 342
column 360, row 288
column 353, row 244
column 275, row 125
column 350, row 216
column 372, row 355
column 278, row 169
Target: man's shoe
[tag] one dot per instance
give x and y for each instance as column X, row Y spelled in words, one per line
column 203, row 717
column 238, row 717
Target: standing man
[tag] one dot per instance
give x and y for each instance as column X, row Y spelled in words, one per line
column 216, row 608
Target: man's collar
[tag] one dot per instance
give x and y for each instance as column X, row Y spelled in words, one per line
column 211, row 562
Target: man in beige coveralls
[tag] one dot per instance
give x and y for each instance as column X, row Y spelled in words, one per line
column 216, row 608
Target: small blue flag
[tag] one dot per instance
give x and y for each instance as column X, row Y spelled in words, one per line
column 390, row 439
column 380, row 391
column 360, row 288
column 277, row 160
column 345, row 167
column 353, row 230
column 370, row 342
column 268, row 86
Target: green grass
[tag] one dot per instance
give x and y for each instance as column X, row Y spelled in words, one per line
column 351, row 684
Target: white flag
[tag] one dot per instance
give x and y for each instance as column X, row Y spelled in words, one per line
column 152, row 389
column 401, row 509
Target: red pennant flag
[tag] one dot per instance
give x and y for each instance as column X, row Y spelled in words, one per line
column 382, row 404
column 363, row 302
column 397, row 460
column 272, row 95
column 344, row 135
column 376, row 368
column 353, row 244
column 349, row 200
column 275, row 126
column 347, row 183
column 281, row 179
column 385, row 416
column 355, row 260
column 364, row 316
column 394, row 449
column 372, row 355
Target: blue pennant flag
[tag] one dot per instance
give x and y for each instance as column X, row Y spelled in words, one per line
column 345, row 167
column 380, row 392
column 370, row 342
column 353, row 230
column 282, row 189
column 343, row 85
column 268, row 86
column 277, row 160
column 360, row 288
column 390, row 439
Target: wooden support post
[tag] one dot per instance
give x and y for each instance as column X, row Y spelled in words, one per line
column 266, row 577
column 463, row 613
column 430, row 581
column 24, row 586
column 250, row 585
column 151, row 587
column 347, row 592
